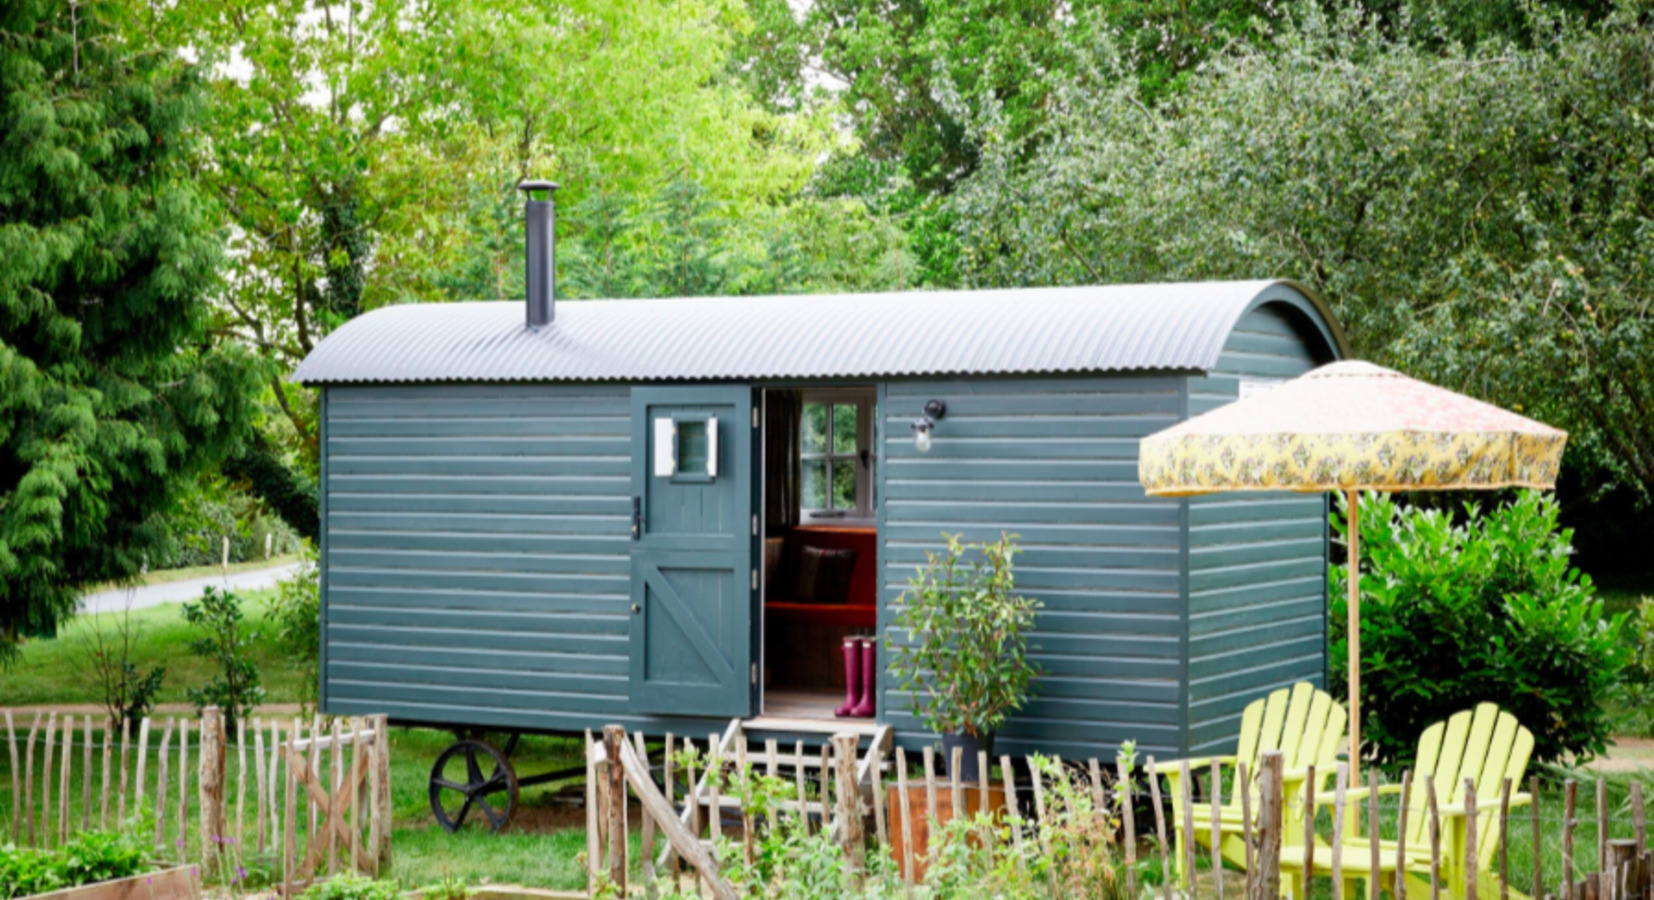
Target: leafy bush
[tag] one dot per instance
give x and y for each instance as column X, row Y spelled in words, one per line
column 1638, row 706
column 235, row 690
column 296, row 612
column 965, row 659
column 1485, row 610
column 90, row 857
column 129, row 693
column 352, row 887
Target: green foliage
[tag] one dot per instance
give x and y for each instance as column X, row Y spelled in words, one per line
column 296, row 614
column 964, row 658
column 1487, row 610
column 112, row 398
column 351, row 886
column 199, row 520
column 89, row 857
column 235, row 688
column 1476, row 215
column 109, row 643
column 1638, row 702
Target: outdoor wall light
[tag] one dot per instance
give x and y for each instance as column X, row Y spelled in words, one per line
column 922, row 426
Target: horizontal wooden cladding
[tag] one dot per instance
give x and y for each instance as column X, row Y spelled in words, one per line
column 959, row 390
column 470, row 464
column 606, row 545
column 475, row 445
column 496, row 696
column 548, row 684
column 480, row 484
column 461, row 600
column 478, row 638
column 476, row 561
column 610, row 585
column 503, row 427
column 437, row 504
column 481, row 523
column 931, row 530
column 906, row 555
column 440, row 715
column 483, row 620
column 461, row 656
column 1053, row 461
column 1245, row 508
column 1218, row 650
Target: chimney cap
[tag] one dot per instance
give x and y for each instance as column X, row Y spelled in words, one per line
column 536, row 184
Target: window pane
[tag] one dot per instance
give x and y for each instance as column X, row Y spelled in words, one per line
column 844, row 429
column 813, row 429
column 814, row 495
column 692, row 447
column 844, row 484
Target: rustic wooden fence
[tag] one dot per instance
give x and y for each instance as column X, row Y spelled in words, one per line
column 849, row 801
column 301, row 793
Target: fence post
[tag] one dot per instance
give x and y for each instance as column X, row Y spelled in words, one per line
column 1622, row 868
column 382, row 792
column 290, row 819
column 613, row 737
column 16, row 800
column 211, row 785
column 1270, row 822
column 849, row 805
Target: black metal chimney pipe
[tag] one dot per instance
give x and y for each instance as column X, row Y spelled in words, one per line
column 540, row 214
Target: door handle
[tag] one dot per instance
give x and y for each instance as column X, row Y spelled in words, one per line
column 636, row 609
column 637, row 518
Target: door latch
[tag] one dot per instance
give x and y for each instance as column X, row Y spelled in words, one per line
column 637, row 518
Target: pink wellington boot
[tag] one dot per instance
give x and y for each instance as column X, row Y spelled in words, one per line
column 869, row 679
column 852, row 677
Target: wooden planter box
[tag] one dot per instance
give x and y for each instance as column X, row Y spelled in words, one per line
column 172, row 883
column 918, row 806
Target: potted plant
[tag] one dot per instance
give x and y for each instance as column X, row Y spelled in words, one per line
column 960, row 645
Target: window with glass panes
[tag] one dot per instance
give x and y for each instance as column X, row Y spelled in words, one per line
column 836, row 433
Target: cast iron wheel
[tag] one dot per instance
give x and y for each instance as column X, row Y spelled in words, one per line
column 454, row 794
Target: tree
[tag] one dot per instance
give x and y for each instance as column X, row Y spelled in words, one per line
column 112, row 396
column 1479, row 216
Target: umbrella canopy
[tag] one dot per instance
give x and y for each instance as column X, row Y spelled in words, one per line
column 1351, row 426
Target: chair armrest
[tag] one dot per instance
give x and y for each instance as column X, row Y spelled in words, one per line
column 1354, row 796
column 1492, row 805
column 1196, row 765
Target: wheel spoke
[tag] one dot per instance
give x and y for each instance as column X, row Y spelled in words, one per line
column 488, row 811
column 493, row 785
column 447, row 785
column 459, row 817
column 471, row 767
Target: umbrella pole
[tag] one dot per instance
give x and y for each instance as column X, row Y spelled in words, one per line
column 1354, row 605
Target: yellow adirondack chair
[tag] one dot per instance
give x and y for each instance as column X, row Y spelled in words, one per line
column 1486, row 745
column 1304, row 723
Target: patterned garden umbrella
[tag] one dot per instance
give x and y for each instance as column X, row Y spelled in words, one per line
column 1351, row 426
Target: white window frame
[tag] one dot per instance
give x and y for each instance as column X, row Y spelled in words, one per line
column 865, row 400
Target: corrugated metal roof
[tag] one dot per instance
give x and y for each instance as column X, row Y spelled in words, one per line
column 1028, row 330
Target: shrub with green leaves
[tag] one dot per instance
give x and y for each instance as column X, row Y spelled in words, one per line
column 1479, row 607
column 217, row 618
column 352, row 887
column 963, row 652
column 88, row 858
column 296, row 611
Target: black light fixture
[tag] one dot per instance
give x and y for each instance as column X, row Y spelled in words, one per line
column 922, row 426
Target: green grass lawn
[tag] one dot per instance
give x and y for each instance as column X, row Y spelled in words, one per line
column 57, row 670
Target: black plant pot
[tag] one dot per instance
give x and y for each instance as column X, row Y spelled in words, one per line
column 968, row 746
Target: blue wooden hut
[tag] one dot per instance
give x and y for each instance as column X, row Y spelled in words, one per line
column 551, row 516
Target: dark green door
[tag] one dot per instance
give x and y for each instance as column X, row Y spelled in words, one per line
column 693, row 563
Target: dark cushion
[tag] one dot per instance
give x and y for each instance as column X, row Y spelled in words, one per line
column 823, row 575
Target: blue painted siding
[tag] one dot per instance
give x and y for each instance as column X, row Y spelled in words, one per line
column 1257, row 561
column 477, row 554
column 1055, row 461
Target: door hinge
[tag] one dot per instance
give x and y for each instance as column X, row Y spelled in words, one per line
column 755, row 525
column 755, row 579
column 755, row 417
column 754, row 673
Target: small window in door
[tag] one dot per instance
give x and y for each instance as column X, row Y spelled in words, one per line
column 835, row 442
column 686, row 448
